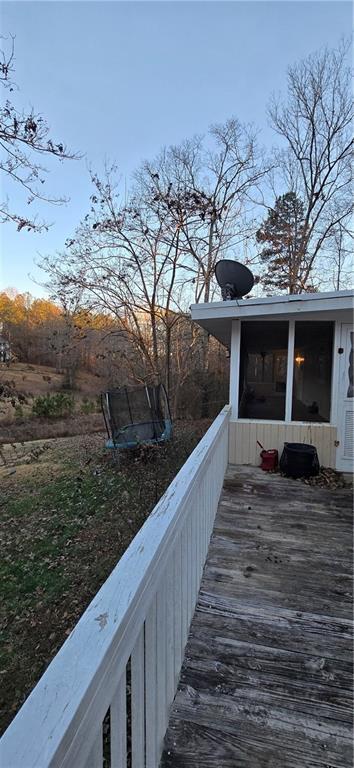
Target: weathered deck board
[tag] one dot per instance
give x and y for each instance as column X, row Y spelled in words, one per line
column 267, row 675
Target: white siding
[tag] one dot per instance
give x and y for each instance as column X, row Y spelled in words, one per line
column 243, row 436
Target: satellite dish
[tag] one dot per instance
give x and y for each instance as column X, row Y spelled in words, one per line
column 235, row 279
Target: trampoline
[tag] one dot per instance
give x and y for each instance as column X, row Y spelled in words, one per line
column 139, row 416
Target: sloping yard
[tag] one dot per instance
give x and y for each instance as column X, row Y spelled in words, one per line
column 68, row 512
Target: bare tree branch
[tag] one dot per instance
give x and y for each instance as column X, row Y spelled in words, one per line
column 23, row 137
column 316, row 123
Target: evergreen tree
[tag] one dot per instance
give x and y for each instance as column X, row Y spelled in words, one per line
column 282, row 233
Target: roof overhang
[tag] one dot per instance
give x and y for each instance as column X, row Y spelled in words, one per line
column 216, row 317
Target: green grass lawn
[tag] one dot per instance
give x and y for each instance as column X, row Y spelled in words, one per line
column 65, row 522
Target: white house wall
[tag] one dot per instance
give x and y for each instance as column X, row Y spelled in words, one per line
column 223, row 320
column 244, row 433
column 243, row 436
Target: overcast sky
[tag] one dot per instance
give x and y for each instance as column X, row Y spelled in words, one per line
column 120, row 80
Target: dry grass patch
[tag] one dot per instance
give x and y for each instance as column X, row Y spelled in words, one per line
column 66, row 520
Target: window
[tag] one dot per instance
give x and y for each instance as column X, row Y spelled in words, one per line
column 312, row 371
column 263, row 366
column 263, row 371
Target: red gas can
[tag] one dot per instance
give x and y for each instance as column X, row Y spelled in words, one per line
column 269, row 460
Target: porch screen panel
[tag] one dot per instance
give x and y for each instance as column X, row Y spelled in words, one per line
column 263, row 366
column 312, row 371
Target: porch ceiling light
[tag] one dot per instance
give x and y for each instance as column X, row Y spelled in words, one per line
column 299, row 359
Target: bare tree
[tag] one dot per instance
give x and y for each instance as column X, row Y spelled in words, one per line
column 203, row 186
column 341, row 256
column 316, row 126
column 141, row 261
column 24, row 138
column 123, row 261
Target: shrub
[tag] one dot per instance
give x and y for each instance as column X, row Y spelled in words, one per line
column 53, row 406
column 88, row 406
column 19, row 415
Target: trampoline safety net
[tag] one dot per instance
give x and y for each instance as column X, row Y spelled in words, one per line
column 135, row 416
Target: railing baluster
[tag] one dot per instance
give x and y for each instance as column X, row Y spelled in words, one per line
column 177, row 599
column 161, row 663
column 210, row 502
column 95, row 758
column 138, row 702
column 184, row 539
column 207, row 511
column 118, row 710
column 151, row 663
column 200, row 538
column 204, row 520
column 170, row 650
column 190, row 569
column 193, row 548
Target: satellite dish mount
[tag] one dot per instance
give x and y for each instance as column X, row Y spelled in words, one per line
column 234, row 279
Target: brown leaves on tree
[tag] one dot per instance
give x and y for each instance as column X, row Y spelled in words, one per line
column 24, row 137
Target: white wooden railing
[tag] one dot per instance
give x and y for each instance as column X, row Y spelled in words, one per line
column 141, row 614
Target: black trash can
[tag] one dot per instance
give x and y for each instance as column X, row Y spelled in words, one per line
column 299, row 460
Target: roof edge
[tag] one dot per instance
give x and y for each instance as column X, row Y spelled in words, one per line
column 280, row 299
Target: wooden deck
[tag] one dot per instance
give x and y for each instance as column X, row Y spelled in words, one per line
column 266, row 679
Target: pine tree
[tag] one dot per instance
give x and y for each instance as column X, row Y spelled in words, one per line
column 282, row 234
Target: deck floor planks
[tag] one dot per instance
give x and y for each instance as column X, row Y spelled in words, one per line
column 267, row 674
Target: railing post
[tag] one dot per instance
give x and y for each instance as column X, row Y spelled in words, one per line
column 235, row 366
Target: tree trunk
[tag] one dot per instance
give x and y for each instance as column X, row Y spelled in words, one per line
column 155, row 349
column 168, row 361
